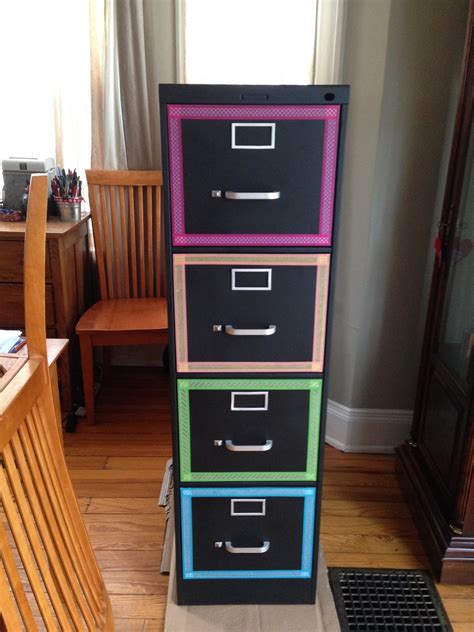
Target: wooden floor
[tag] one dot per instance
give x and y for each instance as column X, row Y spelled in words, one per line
column 117, row 467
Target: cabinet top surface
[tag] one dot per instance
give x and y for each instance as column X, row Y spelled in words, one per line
column 54, row 227
column 255, row 95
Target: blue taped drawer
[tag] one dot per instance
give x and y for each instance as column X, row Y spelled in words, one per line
column 248, row 533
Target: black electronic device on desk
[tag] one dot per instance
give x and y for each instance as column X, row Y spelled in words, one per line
column 16, row 180
column 252, row 178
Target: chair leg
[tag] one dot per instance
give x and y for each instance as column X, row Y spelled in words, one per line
column 87, row 363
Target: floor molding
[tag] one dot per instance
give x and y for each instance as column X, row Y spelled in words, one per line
column 366, row 429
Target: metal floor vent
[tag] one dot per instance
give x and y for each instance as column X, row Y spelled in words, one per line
column 381, row 600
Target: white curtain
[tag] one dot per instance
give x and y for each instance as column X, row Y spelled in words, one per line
column 127, row 62
column 264, row 42
column 80, row 81
column 46, row 94
column 329, row 41
column 108, row 135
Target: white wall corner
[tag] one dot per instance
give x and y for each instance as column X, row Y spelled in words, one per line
column 366, row 429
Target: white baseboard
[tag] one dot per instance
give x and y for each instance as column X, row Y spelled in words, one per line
column 366, row 429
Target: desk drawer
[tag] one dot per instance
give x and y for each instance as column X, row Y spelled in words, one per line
column 12, row 310
column 250, row 313
column 248, row 430
column 11, row 261
column 238, row 533
column 252, row 175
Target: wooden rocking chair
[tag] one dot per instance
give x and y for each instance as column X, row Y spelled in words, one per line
column 49, row 578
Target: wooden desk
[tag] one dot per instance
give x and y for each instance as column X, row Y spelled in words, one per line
column 67, row 288
column 15, row 361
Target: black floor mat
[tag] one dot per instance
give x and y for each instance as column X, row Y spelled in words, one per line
column 385, row 600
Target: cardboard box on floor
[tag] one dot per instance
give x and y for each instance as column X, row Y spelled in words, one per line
column 319, row 617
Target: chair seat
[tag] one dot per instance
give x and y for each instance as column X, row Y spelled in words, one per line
column 125, row 314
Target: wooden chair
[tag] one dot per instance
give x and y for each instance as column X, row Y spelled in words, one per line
column 127, row 225
column 49, row 578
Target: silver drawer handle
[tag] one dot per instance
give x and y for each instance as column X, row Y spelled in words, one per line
column 268, row 331
column 230, row 445
column 246, row 195
column 243, row 549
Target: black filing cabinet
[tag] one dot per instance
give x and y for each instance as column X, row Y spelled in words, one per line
column 252, row 178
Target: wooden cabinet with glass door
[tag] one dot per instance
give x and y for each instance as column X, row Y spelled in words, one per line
column 437, row 463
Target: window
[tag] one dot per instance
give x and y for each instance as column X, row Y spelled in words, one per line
column 45, row 109
column 248, row 41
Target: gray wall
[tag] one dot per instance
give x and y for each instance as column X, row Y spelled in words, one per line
column 401, row 58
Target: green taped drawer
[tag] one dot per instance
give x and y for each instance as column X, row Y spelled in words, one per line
column 245, row 430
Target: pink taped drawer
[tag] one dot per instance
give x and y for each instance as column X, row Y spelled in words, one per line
column 252, row 175
column 236, row 313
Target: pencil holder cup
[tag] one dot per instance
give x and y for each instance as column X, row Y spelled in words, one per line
column 69, row 209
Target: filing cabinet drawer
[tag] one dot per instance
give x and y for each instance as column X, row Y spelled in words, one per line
column 248, row 430
column 252, row 174
column 239, row 533
column 250, row 312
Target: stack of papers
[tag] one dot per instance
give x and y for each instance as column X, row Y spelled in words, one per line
column 8, row 339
